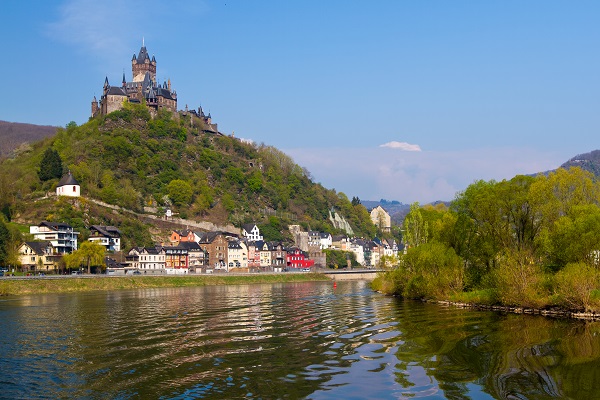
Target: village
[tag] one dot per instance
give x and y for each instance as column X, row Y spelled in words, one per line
column 193, row 252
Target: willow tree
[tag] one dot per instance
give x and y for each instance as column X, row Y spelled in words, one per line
column 415, row 227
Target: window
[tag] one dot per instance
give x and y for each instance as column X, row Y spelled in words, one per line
column 74, row 189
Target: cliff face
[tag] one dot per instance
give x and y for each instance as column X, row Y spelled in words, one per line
column 14, row 134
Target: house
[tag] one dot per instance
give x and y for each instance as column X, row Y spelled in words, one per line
column 340, row 242
column 356, row 246
column 37, row 256
column 215, row 244
column 62, row 236
column 325, row 240
column 296, row 258
column 254, row 254
column 278, row 256
column 107, row 236
column 314, row 239
column 182, row 236
column 237, row 255
column 381, row 219
column 197, row 258
column 176, row 260
column 265, row 256
column 68, row 186
column 150, row 260
column 251, row 232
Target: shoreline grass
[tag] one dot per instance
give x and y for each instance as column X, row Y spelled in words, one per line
column 9, row 287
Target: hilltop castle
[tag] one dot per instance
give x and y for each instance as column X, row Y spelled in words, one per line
column 144, row 87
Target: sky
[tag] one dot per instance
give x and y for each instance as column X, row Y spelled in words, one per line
column 396, row 100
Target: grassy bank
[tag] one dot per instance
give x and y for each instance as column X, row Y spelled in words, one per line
column 71, row 284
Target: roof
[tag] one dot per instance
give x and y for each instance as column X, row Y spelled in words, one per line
column 68, row 180
column 248, row 227
column 54, row 225
column 143, row 55
column 209, row 237
column 116, row 91
column 38, row 247
column 190, row 246
column 108, row 231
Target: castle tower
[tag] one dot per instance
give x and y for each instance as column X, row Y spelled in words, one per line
column 94, row 107
column 142, row 64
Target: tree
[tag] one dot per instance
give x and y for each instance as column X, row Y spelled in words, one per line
column 355, row 201
column 4, row 243
column 89, row 254
column 51, row 165
column 415, row 228
column 180, row 192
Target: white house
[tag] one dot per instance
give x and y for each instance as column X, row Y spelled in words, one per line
column 146, row 258
column 68, row 186
column 107, row 236
column 325, row 240
column 251, row 232
column 61, row 235
column 237, row 254
column 381, row 219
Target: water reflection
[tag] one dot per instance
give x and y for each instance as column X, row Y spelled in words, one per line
column 304, row 340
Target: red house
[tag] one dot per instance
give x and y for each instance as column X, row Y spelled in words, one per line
column 297, row 258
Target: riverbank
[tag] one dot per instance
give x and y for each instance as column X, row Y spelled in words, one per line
column 34, row 285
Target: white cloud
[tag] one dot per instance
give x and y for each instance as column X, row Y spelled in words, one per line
column 401, row 146
column 372, row 174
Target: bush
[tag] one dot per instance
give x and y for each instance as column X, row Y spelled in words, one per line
column 575, row 286
column 521, row 281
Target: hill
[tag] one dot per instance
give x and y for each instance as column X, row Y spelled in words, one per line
column 173, row 160
column 587, row 161
column 17, row 137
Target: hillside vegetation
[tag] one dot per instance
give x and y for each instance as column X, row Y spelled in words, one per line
column 134, row 161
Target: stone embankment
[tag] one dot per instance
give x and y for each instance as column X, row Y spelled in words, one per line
column 554, row 313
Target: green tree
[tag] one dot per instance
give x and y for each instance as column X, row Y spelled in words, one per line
column 89, row 254
column 4, row 243
column 415, row 228
column 180, row 192
column 51, row 165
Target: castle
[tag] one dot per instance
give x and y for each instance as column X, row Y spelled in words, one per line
column 143, row 88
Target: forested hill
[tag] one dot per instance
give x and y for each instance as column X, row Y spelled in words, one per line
column 173, row 161
column 15, row 137
column 588, row 161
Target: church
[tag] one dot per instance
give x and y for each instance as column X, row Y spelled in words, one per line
column 143, row 88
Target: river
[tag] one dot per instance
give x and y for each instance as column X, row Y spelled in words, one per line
column 303, row 340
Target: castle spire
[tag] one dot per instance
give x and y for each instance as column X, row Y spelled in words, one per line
column 124, row 81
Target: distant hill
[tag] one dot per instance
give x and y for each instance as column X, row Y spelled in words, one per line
column 15, row 134
column 587, row 161
column 396, row 209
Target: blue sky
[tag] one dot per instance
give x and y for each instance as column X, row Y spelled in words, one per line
column 402, row 100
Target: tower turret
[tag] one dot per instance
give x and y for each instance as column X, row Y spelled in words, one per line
column 142, row 64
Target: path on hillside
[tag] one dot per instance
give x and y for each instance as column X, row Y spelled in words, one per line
column 187, row 223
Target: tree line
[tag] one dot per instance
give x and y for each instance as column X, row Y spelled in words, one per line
column 530, row 241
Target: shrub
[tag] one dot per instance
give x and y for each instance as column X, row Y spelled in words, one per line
column 575, row 286
column 520, row 280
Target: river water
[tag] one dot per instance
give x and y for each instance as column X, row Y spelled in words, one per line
column 301, row 340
